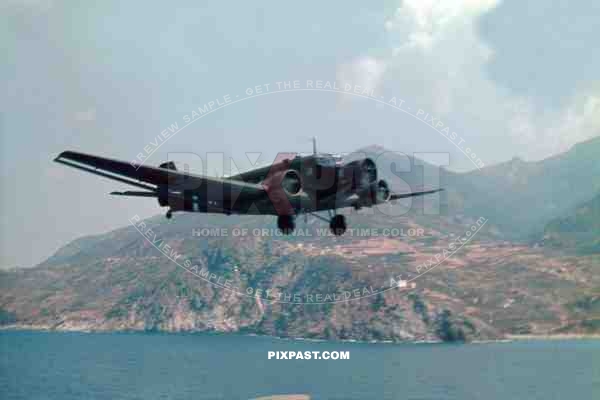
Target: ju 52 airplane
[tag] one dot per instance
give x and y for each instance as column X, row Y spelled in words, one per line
column 291, row 186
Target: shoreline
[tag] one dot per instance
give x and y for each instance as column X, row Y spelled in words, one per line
column 506, row 339
column 558, row 336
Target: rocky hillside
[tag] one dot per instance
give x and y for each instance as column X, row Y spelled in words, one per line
column 521, row 197
column 119, row 281
column 579, row 230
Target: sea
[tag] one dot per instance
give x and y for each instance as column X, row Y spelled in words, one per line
column 64, row 366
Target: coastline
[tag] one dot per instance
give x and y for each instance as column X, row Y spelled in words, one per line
column 506, row 339
column 558, row 336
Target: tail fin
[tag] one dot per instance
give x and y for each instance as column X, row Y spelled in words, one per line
column 314, row 140
column 168, row 165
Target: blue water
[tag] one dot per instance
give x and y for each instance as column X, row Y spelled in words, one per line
column 63, row 366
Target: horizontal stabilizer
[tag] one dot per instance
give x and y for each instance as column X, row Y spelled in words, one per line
column 135, row 193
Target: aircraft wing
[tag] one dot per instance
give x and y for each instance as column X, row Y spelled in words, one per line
column 259, row 174
column 150, row 178
column 254, row 176
column 396, row 196
column 335, row 201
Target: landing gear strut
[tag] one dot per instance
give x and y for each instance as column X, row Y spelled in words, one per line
column 337, row 222
column 338, row 225
column 286, row 224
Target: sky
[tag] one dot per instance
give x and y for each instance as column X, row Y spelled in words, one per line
column 514, row 79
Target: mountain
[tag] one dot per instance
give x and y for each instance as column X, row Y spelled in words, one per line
column 521, row 197
column 518, row 197
column 579, row 230
column 490, row 287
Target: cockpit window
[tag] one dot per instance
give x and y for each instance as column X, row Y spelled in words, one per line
column 325, row 161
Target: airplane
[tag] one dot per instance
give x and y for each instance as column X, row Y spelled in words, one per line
column 294, row 185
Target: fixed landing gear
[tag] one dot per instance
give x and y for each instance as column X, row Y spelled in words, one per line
column 337, row 224
column 286, row 224
column 169, row 214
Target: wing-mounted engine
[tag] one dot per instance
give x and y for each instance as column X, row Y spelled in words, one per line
column 291, row 182
column 363, row 173
column 368, row 172
column 284, row 189
column 381, row 192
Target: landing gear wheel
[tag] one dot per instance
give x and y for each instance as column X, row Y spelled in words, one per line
column 169, row 214
column 338, row 225
column 286, row 224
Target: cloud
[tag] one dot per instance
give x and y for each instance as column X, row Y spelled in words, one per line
column 26, row 6
column 88, row 115
column 437, row 58
column 578, row 121
column 424, row 23
column 366, row 72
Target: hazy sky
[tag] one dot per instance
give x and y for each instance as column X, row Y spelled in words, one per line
column 513, row 78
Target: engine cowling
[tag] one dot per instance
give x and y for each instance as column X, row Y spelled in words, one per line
column 291, row 182
column 382, row 192
column 368, row 172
